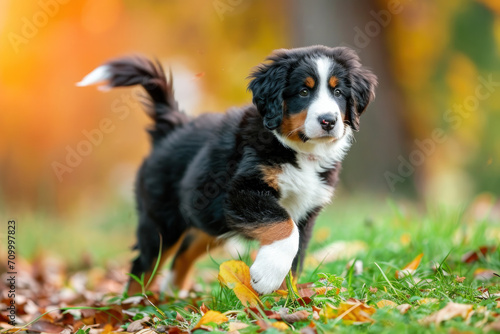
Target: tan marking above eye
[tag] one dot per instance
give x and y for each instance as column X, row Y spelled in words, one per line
column 333, row 81
column 309, row 82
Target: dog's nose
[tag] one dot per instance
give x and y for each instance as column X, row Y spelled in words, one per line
column 327, row 122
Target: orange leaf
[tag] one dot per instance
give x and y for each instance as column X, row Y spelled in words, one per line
column 410, row 267
column 352, row 310
column 211, row 316
column 280, row 325
column 236, row 276
column 385, row 302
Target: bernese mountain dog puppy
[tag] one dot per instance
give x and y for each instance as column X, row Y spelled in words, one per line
column 263, row 171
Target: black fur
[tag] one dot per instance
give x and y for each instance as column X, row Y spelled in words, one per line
column 205, row 173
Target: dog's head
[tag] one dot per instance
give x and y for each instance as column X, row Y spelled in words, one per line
column 312, row 94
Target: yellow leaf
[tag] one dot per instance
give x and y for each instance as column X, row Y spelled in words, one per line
column 280, row 325
column 236, row 276
column 427, row 301
column 385, row 302
column 410, row 267
column 211, row 316
column 451, row 310
column 352, row 310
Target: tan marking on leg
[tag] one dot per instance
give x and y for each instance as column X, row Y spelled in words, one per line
column 292, row 124
column 183, row 262
column 134, row 287
column 309, row 82
column 333, row 81
column 270, row 233
column 271, row 175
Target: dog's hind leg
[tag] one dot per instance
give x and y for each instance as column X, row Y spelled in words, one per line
column 148, row 243
column 195, row 244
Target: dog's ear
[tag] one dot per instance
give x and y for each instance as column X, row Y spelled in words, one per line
column 267, row 86
column 363, row 83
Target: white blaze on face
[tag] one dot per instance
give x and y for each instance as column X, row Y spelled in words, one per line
column 323, row 104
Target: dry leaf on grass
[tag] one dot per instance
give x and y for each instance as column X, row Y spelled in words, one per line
column 236, row 276
column 403, row 308
column 352, row 310
column 292, row 317
column 410, row 268
column 451, row 310
column 339, row 250
column 236, row 326
column 483, row 274
column 386, row 303
column 473, row 256
column 211, row 316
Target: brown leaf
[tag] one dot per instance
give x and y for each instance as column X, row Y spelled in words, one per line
column 45, row 327
column 290, row 318
column 410, row 267
column 137, row 324
column 473, row 256
column 203, row 308
column 211, row 316
column 451, row 310
column 236, row 276
column 254, row 311
column 459, row 279
column 296, row 316
column 373, row 290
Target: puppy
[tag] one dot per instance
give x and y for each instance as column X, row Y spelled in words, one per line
column 263, row 171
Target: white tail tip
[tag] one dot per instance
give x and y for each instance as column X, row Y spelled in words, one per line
column 102, row 73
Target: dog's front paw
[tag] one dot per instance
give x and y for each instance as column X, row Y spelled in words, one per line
column 273, row 263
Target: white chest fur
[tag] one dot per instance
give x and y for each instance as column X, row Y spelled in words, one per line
column 302, row 189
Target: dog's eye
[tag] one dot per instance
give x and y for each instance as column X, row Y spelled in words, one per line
column 304, row 92
column 337, row 92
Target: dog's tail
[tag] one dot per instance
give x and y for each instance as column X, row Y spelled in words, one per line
column 161, row 105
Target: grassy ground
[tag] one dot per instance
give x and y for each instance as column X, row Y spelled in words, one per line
column 382, row 235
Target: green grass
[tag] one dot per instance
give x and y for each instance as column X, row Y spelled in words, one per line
column 394, row 235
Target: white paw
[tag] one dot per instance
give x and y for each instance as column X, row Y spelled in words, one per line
column 273, row 263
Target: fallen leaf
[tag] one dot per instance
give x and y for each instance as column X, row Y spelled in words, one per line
column 211, row 316
column 137, row 324
column 373, row 290
column 410, row 267
column 352, row 310
column 339, row 250
column 473, row 256
column 427, row 301
column 308, row 330
column 483, row 274
column 45, row 327
column 459, row 279
column 256, row 312
column 292, row 317
column 236, row 326
column 280, row 325
column 203, row 308
column 451, row 310
column 236, row 276
column 386, row 303
column 403, row 308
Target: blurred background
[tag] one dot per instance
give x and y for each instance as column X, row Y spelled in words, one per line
column 68, row 155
